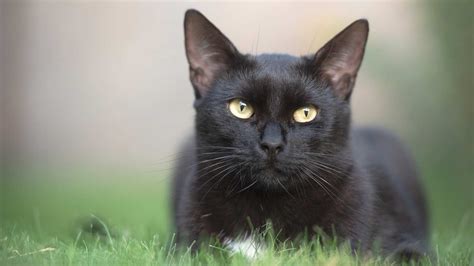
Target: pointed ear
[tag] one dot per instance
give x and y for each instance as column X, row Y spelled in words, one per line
column 339, row 59
column 208, row 51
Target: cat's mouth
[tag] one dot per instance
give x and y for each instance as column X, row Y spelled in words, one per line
column 269, row 166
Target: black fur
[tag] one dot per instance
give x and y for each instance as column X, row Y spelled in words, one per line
column 359, row 183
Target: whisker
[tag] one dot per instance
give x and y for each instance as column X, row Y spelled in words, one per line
column 247, row 187
column 215, row 147
column 284, row 188
column 238, row 180
column 215, row 164
column 227, row 171
column 215, row 175
column 340, row 173
column 330, row 192
column 218, row 158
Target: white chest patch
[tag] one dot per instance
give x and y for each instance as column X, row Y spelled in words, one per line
column 247, row 247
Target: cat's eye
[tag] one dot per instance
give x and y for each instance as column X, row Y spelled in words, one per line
column 240, row 109
column 305, row 114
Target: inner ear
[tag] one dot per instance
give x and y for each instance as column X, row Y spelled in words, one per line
column 208, row 51
column 339, row 60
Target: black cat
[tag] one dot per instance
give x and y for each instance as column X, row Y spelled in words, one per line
column 273, row 142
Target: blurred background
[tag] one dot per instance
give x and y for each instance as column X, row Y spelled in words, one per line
column 95, row 99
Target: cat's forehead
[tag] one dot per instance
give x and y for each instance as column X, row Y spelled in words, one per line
column 277, row 75
column 276, row 65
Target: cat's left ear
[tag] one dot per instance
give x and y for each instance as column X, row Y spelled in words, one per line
column 339, row 59
column 209, row 52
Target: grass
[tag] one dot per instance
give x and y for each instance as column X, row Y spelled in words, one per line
column 42, row 219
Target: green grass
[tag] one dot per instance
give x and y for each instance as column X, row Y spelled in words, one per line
column 42, row 217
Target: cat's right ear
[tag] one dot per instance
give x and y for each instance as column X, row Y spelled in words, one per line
column 339, row 59
column 208, row 51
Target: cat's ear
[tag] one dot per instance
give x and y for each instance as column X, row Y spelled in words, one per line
column 208, row 51
column 339, row 59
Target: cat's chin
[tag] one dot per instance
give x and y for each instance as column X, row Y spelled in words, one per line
column 273, row 180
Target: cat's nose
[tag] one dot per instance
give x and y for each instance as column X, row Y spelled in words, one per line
column 272, row 140
column 271, row 148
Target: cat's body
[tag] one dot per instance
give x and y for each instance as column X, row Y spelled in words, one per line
column 382, row 204
column 239, row 173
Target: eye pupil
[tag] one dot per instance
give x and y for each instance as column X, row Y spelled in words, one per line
column 305, row 114
column 240, row 109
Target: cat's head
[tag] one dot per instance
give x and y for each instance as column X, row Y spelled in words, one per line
column 273, row 120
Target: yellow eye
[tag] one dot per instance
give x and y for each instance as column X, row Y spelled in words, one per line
column 305, row 114
column 240, row 109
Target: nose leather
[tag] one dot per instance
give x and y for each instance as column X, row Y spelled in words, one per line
column 272, row 139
